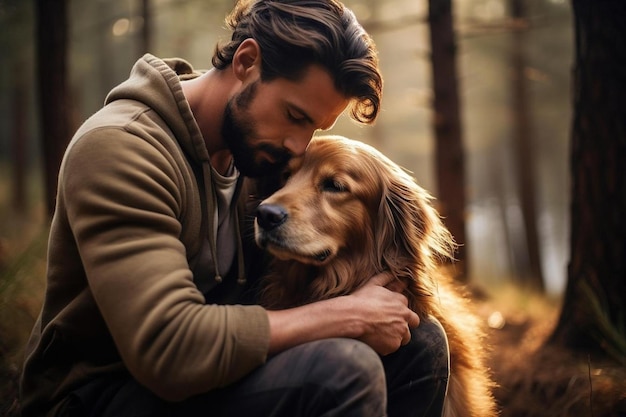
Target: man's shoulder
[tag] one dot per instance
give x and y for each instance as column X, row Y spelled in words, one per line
column 125, row 120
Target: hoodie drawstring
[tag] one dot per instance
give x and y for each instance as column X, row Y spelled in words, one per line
column 209, row 192
column 212, row 220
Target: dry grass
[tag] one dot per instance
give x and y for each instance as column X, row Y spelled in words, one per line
column 21, row 291
column 23, row 237
column 540, row 380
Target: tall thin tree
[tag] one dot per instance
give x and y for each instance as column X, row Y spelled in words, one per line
column 529, row 268
column 449, row 155
column 51, row 27
column 19, row 139
column 593, row 316
column 145, row 43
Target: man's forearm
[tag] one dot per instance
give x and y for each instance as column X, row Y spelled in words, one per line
column 320, row 320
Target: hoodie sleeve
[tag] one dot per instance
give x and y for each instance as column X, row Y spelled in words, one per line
column 124, row 199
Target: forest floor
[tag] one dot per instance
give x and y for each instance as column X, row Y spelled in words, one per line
column 536, row 379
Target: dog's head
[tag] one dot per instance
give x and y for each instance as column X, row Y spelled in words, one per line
column 346, row 209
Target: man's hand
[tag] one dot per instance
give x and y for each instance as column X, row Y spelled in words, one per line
column 377, row 314
column 387, row 320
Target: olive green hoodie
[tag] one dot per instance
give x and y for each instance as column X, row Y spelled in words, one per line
column 135, row 210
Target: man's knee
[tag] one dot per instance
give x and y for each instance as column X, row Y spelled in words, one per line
column 417, row 374
column 347, row 375
column 425, row 356
column 344, row 362
column 429, row 345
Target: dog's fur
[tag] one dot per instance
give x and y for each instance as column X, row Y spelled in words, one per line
column 346, row 213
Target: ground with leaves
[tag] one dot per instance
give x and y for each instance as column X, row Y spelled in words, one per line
column 545, row 381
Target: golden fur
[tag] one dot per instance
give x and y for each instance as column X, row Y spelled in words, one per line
column 352, row 213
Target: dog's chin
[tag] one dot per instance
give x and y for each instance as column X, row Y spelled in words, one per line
column 284, row 252
column 317, row 259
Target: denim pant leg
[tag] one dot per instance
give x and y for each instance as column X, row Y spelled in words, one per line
column 417, row 373
column 333, row 377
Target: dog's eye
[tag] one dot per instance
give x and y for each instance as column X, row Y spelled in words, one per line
column 333, row 186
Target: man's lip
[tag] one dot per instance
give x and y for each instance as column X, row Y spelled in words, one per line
column 270, row 158
column 274, row 155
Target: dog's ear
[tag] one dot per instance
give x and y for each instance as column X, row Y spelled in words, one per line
column 411, row 236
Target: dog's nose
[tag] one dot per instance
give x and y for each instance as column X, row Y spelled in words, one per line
column 270, row 216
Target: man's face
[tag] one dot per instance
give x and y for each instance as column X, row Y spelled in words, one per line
column 238, row 131
column 267, row 123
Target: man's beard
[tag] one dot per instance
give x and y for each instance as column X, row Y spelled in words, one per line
column 237, row 133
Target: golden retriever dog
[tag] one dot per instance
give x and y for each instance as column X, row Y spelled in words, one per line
column 346, row 213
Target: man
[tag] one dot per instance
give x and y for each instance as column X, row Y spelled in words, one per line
column 144, row 313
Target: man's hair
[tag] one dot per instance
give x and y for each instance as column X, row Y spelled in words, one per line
column 293, row 34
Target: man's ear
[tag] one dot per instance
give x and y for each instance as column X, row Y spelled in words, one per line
column 247, row 59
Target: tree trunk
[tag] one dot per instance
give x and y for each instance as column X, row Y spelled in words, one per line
column 450, row 169
column 19, row 141
column 593, row 318
column 530, row 266
column 51, row 26
column 106, row 56
column 145, row 44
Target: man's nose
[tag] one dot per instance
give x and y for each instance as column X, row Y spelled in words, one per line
column 297, row 143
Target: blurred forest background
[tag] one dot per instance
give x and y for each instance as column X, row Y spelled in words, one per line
column 105, row 39
column 512, row 63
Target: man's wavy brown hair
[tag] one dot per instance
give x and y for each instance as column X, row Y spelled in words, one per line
column 294, row 34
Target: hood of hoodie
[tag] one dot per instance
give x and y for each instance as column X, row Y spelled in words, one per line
column 156, row 83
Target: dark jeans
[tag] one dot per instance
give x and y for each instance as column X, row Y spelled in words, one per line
column 332, row 377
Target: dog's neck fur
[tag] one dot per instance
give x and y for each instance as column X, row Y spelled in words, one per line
column 291, row 283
